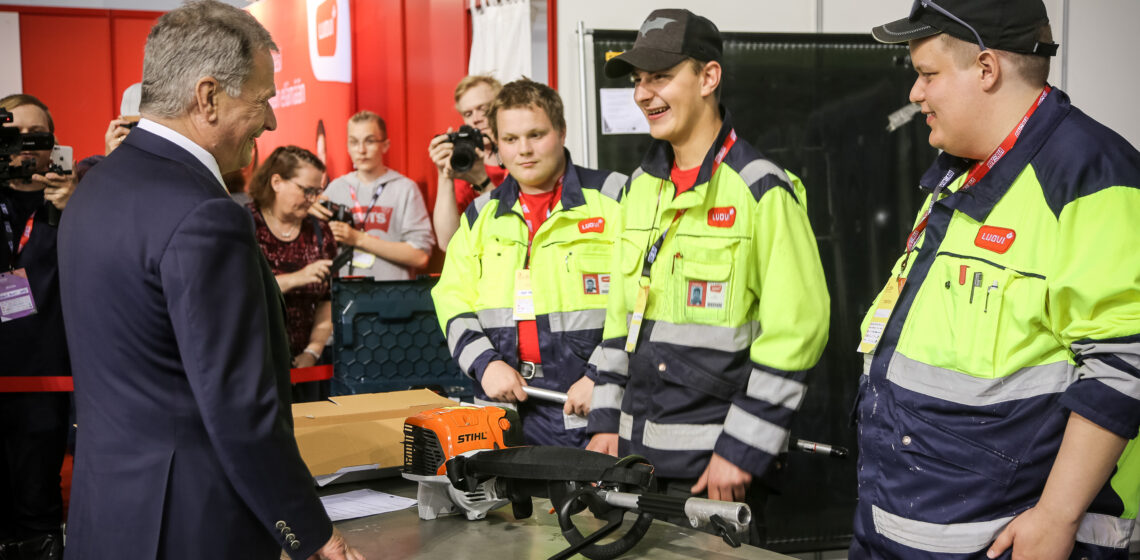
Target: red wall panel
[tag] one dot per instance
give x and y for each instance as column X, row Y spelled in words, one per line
column 378, row 74
column 79, row 61
column 66, row 62
column 128, row 38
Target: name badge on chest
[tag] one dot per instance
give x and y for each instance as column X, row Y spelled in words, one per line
column 15, row 296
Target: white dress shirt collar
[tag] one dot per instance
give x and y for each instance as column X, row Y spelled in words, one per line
column 185, row 143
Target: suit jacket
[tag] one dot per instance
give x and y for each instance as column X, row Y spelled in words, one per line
column 175, row 323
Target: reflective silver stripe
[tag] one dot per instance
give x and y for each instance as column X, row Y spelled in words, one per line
column 681, row 437
column 471, row 351
column 867, row 359
column 563, row 321
column 765, row 386
column 1105, row 530
column 712, row 337
column 625, row 426
column 758, row 168
column 1129, row 352
column 457, row 328
column 610, row 360
column 612, row 186
column 481, row 201
column 480, row 402
column 954, row 538
column 950, row 385
column 607, row 395
column 1119, row 380
column 497, row 318
column 755, row 432
column 636, row 173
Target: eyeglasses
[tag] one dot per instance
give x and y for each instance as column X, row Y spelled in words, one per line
column 918, row 4
column 311, row 193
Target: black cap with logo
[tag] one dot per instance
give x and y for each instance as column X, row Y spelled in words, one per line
column 665, row 39
column 1008, row 25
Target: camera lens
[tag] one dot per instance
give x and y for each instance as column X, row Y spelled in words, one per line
column 462, row 158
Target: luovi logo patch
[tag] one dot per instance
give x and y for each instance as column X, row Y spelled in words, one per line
column 996, row 239
column 724, row 216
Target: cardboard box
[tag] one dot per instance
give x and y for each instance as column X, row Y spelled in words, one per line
column 358, row 432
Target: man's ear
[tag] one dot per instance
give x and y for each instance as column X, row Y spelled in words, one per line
column 206, row 97
column 988, row 66
column 710, row 78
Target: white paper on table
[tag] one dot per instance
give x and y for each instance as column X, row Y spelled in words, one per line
column 362, row 503
column 620, row 113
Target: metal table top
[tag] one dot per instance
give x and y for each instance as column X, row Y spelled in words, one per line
column 403, row 535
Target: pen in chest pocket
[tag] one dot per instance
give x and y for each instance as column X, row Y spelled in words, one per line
column 977, row 284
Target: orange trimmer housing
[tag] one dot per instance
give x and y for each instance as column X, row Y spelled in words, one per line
column 433, row 437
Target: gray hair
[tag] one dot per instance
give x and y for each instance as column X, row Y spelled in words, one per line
column 204, row 38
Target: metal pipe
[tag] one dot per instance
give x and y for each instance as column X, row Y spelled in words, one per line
column 545, row 394
column 584, row 157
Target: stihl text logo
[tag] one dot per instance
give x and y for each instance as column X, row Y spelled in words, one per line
column 468, row 438
column 995, row 239
column 326, row 28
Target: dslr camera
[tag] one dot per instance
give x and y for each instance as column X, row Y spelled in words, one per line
column 464, row 142
column 13, row 142
column 340, row 212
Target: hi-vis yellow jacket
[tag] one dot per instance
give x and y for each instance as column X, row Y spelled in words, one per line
column 569, row 268
column 1022, row 304
column 737, row 312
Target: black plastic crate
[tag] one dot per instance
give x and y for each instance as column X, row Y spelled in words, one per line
column 386, row 338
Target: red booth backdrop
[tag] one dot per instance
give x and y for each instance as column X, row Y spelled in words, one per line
column 406, row 57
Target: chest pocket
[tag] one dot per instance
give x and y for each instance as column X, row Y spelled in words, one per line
column 975, row 316
column 497, row 265
column 704, row 286
column 584, row 273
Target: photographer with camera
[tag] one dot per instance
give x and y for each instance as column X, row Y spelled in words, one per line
column 466, row 160
column 375, row 209
column 33, row 410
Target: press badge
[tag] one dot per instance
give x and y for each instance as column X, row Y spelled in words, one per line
column 573, row 422
column 879, row 319
column 15, row 296
column 524, row 296
column 638, row 315
column 363, row 259
column 595, row 284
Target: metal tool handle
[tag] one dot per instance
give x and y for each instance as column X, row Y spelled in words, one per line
column 545, row 394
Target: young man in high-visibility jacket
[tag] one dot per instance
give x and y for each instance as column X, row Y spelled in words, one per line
column 524, row 286
column 718, row 304
column 1002, row 359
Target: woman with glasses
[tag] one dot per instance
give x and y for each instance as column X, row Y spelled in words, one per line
column 300, row 249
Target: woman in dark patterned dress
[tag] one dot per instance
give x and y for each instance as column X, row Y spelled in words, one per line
column 300, row 249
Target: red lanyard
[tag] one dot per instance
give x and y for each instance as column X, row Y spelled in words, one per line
column 651, row 254
column 27, row 232
column 359, row 214
column 976, row 173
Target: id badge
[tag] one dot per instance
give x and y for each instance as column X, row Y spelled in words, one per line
column 363, row 259
column 638, row 316
column 878, row 324
column 15, row 296
column 524, row 296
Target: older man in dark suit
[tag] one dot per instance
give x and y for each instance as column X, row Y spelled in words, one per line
column 174, row 321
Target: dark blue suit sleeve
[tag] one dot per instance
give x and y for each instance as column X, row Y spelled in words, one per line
column 218, row 309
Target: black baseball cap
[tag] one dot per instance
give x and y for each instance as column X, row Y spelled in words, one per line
column 1008, row 25
column 665, row 39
